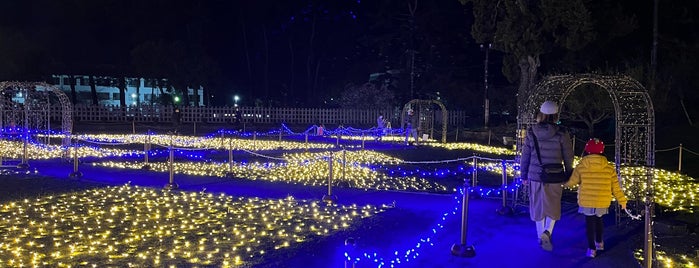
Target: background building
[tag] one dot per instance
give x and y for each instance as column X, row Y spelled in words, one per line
column 139, row 91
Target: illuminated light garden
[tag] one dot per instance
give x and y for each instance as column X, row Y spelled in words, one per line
column 135, row 226
column 362, row 169
column 118, row 225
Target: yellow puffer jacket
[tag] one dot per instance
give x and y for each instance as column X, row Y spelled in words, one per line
column 598, row 182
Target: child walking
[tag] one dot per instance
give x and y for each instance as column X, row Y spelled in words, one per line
column 598, row 183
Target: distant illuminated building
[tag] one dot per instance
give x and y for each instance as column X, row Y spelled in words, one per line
column 139, row 91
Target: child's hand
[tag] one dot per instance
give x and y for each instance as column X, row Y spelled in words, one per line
column 623, row 206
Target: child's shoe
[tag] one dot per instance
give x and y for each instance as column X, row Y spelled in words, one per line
column 591, row 253
column 599, row 246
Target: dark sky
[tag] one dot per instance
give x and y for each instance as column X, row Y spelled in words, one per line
column 283, row 50
column 304, row 52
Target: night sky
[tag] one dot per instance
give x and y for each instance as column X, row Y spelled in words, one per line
column 298, row 53
column 283, row 52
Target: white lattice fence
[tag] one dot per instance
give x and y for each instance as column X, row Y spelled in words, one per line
column 261, row 115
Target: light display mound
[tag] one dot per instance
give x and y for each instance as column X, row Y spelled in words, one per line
column 132, row 226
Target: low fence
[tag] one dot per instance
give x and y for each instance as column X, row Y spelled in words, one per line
column 255, row 115
column 680, row 150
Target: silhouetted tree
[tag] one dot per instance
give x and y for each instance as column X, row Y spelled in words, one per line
column 366, row 96
column 588, row 104
column 527, row 29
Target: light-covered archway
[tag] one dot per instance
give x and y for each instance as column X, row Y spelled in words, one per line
column 425, row 111
column 634, row 145
column 26, row 104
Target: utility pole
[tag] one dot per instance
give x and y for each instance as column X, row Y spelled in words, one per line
column 486, row 101
column 412, row 73
column 412, row 8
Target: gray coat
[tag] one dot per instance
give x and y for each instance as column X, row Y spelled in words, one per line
column 555, row 146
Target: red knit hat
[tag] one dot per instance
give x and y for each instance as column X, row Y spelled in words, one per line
column 594, row 146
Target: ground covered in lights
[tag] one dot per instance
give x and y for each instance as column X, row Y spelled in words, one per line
column 398, row 206
column 135, row 226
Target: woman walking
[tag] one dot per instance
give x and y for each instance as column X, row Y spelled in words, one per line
column 546, row 142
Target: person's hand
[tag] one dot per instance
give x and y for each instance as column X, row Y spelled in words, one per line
column 623, row 206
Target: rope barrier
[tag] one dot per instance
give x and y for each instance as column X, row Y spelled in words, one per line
column 437, row 162
column 193, row 149
column 665, row 150
column 264, row 156
column 690, row 151
column 104, row 143
column 458, row 159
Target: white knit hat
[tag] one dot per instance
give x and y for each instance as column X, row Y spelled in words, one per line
column 549, row 107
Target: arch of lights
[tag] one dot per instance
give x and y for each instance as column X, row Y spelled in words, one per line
column 634, row 150
column 423, row 107
column 27, row 104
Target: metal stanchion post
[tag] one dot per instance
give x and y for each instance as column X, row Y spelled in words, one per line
column 280, row 134
column 362, row 140
column 75, row 174
column 24, row 164
column 146, row 151
column 337, row 140
column 344, row 164
column 195, row 128
column 133, row 127
column 230, row 158
column 461, row 249
column 330, row 198
column 504, row 210
column 171, row 184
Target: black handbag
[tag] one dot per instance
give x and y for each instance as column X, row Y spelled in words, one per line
column 550, row 173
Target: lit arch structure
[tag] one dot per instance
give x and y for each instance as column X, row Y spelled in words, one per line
column 634, row 149
column 35, row 103
column 424, row 109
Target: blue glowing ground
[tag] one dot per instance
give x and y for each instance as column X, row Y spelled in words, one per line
column 419, row 232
